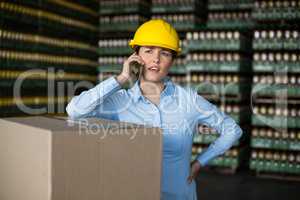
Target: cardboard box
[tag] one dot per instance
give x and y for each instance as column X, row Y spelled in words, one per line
column 52, row 159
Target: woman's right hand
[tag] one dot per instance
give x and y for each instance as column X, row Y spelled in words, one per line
column 127, row 73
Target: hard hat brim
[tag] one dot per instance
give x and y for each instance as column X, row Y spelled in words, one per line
column 133, row 43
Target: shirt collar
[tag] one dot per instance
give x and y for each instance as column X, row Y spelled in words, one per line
column 168, row 90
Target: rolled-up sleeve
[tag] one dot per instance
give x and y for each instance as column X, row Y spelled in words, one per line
column 209, row 115
column 84, row 104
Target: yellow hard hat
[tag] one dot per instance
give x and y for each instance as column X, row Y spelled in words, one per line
column 156, row 32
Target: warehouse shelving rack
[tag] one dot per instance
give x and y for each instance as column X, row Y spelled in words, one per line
column 33, row 37
column 275, row 119
column 118, row 22
column 219, row 68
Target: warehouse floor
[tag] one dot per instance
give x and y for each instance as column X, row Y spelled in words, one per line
column 245, row 186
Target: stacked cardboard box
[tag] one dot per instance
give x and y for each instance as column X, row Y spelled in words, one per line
column 53, row 159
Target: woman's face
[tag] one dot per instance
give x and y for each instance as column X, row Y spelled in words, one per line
column 157, row 62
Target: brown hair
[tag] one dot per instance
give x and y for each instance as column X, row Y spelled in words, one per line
column 174, row 53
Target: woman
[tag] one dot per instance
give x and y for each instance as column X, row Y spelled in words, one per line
column 155, row 100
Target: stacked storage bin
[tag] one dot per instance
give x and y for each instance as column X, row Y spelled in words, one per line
column 184, row 15
column 275, row 137
column 234, row 14
column 46, row 43
column 118, row 22
column 219, row 68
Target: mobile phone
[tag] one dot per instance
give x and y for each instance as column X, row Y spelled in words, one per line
column 135, row 68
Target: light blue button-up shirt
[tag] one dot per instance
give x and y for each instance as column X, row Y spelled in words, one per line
column 178, row 114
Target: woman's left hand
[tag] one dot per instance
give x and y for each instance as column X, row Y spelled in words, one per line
column 195, row 168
